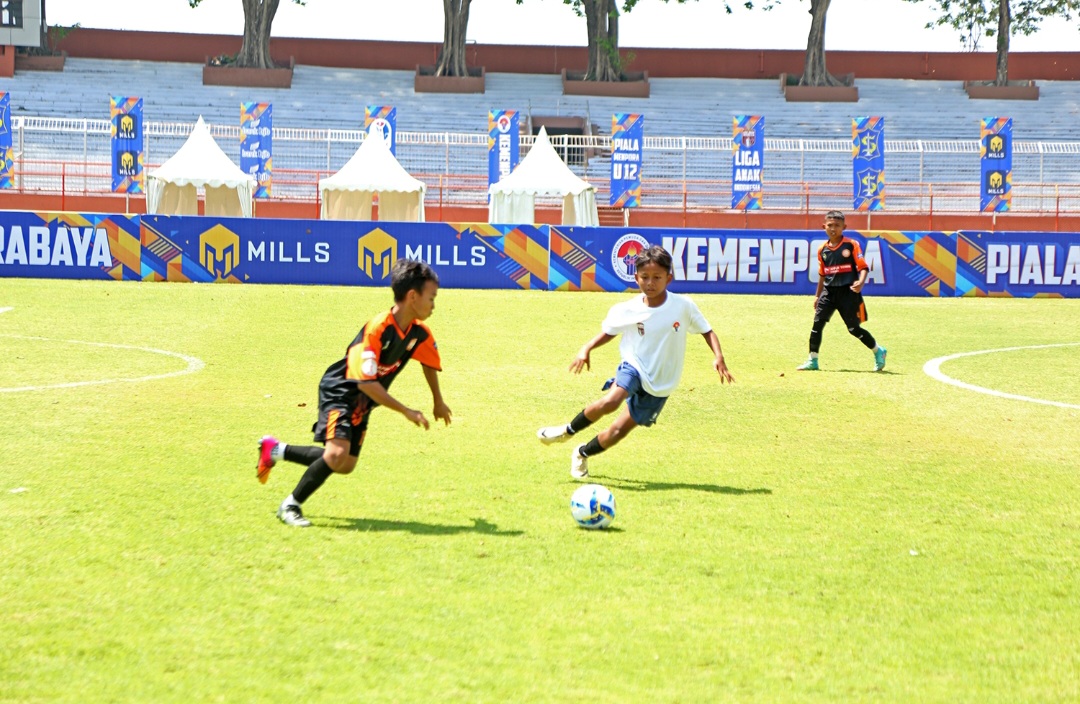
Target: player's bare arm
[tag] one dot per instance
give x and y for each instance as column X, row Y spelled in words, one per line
column 582, row 360
column 858, row 285
column 718, row 357
column 440, row 410
column 378, row 393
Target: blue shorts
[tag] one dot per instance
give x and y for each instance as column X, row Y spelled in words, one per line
column 644, row 407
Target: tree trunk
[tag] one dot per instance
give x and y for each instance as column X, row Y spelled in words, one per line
column 452, row 55
column 602, row 21
column 1003, row 31
column 255, row 51
column 814, row 71
column 46, row 45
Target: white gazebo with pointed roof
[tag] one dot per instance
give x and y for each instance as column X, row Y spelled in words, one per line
column 173, row 187
column 542, row 173
column 373, row 169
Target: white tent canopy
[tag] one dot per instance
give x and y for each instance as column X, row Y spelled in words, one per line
column 172, row 188
column 542, row 172
column 348, row 194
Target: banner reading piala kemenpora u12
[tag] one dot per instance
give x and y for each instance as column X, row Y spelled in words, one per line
column 472, row 255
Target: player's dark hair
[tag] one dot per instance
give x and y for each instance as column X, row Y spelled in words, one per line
column 654, row 254
column 407, row 275
column 834, row 215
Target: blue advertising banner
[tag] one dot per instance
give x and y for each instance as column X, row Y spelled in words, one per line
column 257, row 145
column 70, row 246
column 254, row 251
column 868, row 162
column 7, row 153
column 504, row 133
column 995, row 148
column 126, row 115
column 747, row 160
column 382, row 120
column 244, row 250
column 627, row 138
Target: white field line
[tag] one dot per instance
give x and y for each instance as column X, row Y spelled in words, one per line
column 194, row 364
column 5, row 310
column 933, row 369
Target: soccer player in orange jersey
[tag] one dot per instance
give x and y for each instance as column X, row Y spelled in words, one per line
column 842, row 273
column 359, row 382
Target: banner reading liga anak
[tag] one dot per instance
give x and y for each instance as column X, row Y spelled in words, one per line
column 627, row 138
column 503, row 144
column 126, row 115
column 995, row 147
column 868, row 162
column 382, row 120
column 747, row 159
column 7, row 153
column 257, row 145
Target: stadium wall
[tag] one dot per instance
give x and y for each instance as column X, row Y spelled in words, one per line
column 660, row 63
column 210, row 249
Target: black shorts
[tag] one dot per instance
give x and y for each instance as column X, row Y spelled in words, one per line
column 851, row 306
column 345, row 422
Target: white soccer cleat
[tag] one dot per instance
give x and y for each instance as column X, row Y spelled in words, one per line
column 291, row 515
column 552, row 434
column 579, row 464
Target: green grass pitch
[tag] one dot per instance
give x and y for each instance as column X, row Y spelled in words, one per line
column 838, row 536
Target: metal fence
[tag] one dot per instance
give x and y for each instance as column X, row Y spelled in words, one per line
column 56, row 155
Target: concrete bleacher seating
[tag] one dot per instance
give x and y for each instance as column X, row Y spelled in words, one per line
column 335, row 99
column 330, row 98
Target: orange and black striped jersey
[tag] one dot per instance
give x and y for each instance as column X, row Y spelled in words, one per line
column 840, row 265
column 378, row 353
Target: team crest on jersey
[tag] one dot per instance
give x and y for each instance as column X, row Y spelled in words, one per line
column 624, row 254
column 846, row 252
column 641, row 328
column 676, row 326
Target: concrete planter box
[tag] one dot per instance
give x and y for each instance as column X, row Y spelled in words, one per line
column 40, row 63
column 633, row 85
column 1021, row 90
column 251, row 77
column 819, row 94
column 425, row 81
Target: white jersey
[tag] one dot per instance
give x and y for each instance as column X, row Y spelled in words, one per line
column 654, row 339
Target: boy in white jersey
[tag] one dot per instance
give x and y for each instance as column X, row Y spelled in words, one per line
column 654, row 326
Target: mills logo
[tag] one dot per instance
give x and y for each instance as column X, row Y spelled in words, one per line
column 127, row 164
column 995, row 183
column 126, row 128
column 995, row 147
column 219, row 251
column 374, row 250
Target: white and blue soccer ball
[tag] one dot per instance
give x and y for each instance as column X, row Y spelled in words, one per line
column 592, row 506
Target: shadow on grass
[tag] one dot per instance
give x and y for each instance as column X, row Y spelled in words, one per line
column 375, row 524
column 883, row 372
column 640, row 485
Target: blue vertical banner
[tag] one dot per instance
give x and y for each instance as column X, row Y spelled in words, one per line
column 504, row 137
column 995, row 148
column 257, row 145
column 627, row 138
column 7, row 153
column 868, row 163
column 747, row 159
column 126, row 115
column 382, row 120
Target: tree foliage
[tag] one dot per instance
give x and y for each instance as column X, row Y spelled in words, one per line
column 258, row 18
column 978, row 19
